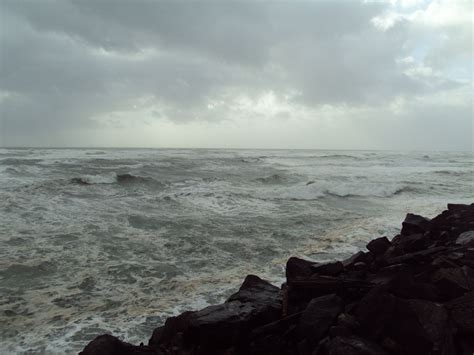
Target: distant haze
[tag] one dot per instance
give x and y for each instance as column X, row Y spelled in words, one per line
column 255, row 74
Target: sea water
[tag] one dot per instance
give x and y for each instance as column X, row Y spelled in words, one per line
column 116, row 240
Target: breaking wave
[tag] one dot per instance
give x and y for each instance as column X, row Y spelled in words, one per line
column 112, row 178
column 370, row 191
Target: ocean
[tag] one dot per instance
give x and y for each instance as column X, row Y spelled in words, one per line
column 116, row 240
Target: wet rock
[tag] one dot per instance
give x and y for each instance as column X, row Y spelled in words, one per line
column 379, row 246
column 450, row 282
column 173, row 325
column 414, row 224
column 453, row 207
column 357, row 257
column 318, row 316
column 466, row 238
column 422, row 256
column 375, row 311
column 329, row 269
column 352, row 345
column 258, row 291
column 110, row 345
column 413, row 242
column 215, row 328
column 462, row 313
column 297, row 268
column 436, row 326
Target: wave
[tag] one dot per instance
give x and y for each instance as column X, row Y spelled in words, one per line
column 370, row 191
column 453, row 172
column 15, row 161
column 272, row 179
column 339, row 156
column 112, row 178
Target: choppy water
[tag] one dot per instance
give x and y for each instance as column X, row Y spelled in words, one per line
column 105, row 240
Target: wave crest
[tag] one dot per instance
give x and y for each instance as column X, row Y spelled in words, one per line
column 112, row 178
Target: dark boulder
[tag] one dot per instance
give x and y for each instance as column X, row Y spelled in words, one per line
column 414, row 224
column 329, row 269
column 450, row 282
column 462, row 313
column 466, row 238
column 353, row 345
column 414, row 242
column 379, row 246
column 258, row 291
column 109, row 345
column 297, row 268
column 214, row 329
column 357, row 257
column 454, row 207
column 318, row 316
column 375, row 311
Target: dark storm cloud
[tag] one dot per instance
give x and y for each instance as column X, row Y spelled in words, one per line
column 63, row 63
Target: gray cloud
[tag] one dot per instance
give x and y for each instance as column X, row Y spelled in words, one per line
column 65, row 65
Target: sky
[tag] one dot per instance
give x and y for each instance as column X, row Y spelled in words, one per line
column 310, row 74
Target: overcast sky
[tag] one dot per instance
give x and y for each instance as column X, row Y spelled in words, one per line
column 243, row 74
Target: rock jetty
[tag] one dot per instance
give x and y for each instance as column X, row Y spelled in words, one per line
column 413, row 294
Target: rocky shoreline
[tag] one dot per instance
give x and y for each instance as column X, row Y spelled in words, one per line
column 413, row 294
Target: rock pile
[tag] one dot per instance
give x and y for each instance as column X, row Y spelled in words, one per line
column 411, row 295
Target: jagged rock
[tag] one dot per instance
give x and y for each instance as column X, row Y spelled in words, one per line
column 348, row 321
column 375, row 310
column 413, row 242
column 414, row 224
column 462, row 312
column 173, row 325
column 109, row 345
column 416, row 326
column 379, row 246
column 466, row 238
column 357, row 257
column 258, row 291
column 297, row 268
column 450, row 282
column 216, row 328
column 329, row 269
column 402, row 284
column 438, row 330
column 353, row 345
column 418, row 257
column 453, row 207
column 360, row 266
column 318, row 316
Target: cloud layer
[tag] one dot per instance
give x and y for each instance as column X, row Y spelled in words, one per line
column 237, row 74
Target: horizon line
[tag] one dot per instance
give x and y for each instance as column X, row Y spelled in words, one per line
column 229, row 148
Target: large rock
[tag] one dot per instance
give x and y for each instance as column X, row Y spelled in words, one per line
column 356, row 258
column 451, row 282
column 318, row 316
column 375, row 311
column 462, row 312
column 413, row 326
column 109, row 345
column 353, row 345
column 414, row 224
column 466, row 238
column 214, row 329
column 379, row 246
column 297, row 268
column 329, row 269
